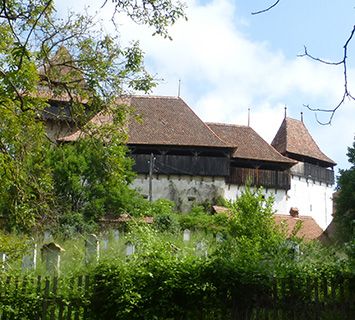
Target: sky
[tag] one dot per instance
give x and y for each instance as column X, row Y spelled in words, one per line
column 229, row 60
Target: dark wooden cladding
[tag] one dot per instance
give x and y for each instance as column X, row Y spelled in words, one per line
column 311, row 171
column 259, row 177
column 182, row 165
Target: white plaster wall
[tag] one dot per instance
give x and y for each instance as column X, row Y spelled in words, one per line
column 232, row 192
column 183, row 190
column 312, row 198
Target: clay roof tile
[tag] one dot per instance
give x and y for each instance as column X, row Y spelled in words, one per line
column 248, row 144
column 294, row 138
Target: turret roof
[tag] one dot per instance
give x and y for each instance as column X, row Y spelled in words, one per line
column 293, row 138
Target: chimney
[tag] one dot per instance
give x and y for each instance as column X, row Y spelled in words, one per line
column 294, row 212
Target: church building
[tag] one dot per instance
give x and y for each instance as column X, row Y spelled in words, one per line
column 179, row 157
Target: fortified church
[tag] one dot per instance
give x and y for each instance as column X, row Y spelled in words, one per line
column 181, row 158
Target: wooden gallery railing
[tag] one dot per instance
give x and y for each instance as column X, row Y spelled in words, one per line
column 258, row 177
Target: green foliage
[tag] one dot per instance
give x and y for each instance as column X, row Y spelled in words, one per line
column 90, row 177
column 158, row 14
column 345, row 201
column 165, row 269
column 44, row 60
column 13, row 246
column 26, row 183
column 166, row 222
column 254, row 243
column 198, row 219
column 350, row 250
column 145, row 285
column 252, row 216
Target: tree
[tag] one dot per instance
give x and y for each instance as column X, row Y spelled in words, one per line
column 253, row 234
column 84, row 184
column 345, row 201
column 43, row 59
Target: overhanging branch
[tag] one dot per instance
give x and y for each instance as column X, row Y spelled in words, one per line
column 267, row 9
column 343, row 62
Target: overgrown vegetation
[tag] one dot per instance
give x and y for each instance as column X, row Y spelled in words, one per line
column 67, row 69
column 69, row 187
column 243, row 269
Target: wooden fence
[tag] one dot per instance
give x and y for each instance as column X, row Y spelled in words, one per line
column 279, row 299
column 289, row 299
column 44, row 298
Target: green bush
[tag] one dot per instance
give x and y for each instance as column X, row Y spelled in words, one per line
column 166, row 223
column 199, row 219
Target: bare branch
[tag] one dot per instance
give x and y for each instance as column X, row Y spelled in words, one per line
column 346, row 93
column 306, row 54
column 267, row 9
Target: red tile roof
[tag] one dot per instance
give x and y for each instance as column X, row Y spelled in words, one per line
column 309, row 230
column 163, row 121
column 169, row 121
column 248, row 144
column 294, row 138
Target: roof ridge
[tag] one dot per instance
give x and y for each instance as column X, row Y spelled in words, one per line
column 228, row 124
column 155, row 97
column 285, row 215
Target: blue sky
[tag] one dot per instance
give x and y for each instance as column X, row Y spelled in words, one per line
column 229, row 60
column 321, row 25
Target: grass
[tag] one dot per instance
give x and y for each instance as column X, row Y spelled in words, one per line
column 73, row 259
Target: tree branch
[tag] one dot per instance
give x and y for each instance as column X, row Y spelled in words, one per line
column 267, row 9
column 18, row 93
column 346, row 93
column 24, row 51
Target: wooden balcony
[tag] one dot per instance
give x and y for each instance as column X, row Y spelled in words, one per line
column 258, row 177
column 182, row 165
column 311, row 171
